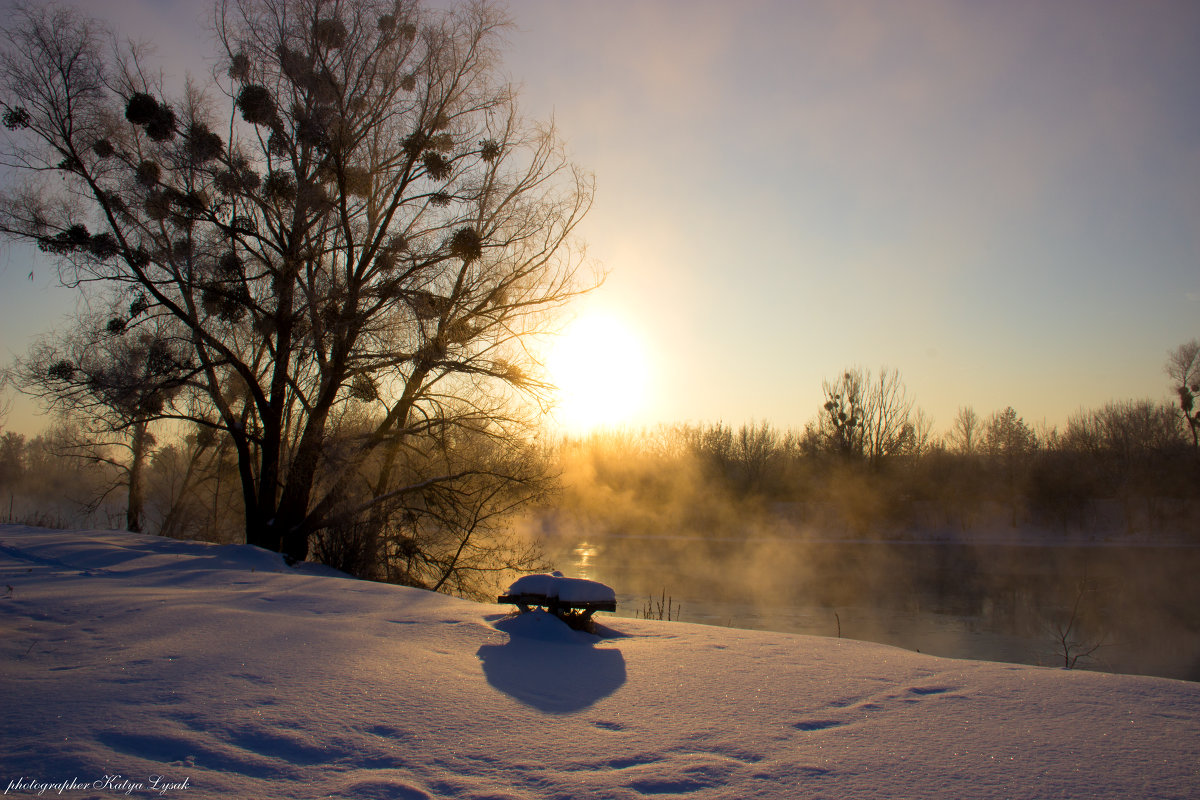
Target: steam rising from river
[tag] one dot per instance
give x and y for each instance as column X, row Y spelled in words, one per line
column 822, row 565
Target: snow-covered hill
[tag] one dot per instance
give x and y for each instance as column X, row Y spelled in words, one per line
column 140, row 666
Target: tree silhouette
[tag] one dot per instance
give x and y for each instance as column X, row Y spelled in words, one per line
column 1183, row 368
column 374, row 234
column 1010, row 442
column 965, row 431
column 113, row 383
column 868, row 416
column 841, row 426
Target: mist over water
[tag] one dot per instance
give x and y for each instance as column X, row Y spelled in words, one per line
column 997, row 602
column 1056, row 556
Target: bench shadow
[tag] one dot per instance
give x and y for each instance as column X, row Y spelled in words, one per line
column 547, row 666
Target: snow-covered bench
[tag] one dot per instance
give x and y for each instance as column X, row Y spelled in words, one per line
column 560, row 596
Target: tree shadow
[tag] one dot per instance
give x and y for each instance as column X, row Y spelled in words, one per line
column 547, row 666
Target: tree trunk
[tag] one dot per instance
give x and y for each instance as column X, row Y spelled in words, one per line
column 261, row 530
column 292, row 519
column 136, row 500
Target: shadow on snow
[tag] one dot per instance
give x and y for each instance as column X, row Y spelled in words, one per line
column 550, row 667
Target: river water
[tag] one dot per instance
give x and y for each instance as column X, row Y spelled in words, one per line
column 1119, row 608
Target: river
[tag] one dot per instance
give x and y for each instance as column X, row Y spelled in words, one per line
column 1120, row 608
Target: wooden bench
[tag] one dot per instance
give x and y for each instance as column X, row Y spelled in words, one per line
column 560, row 608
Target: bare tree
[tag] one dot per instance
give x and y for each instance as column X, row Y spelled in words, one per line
column 756, row 447
column 113, row 384
column 5, row 400
column 1183, row 368
column 374, row 224
column 867, row 416
column 1067, row 633
column 712, row 444
column 886, row 411
column 12, row 460
column 921, row 439
column 179, row 472
column 965, row 431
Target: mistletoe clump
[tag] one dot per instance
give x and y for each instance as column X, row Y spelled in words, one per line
column 72, row 238
column 489, row 150
column 330, row 33
column 203, row 145
column 62, row 371
column 229, row 266
column 415, row 143
column 257, row 105
column 147, row 173
column 16, row 118
column 466, row 244
column 363, row 388
column 141, row 108
column 239, row 67
column 157, row 119
column 103, row 246
column 436, row 166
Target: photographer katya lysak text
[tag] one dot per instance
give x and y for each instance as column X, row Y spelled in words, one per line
column 154, row 784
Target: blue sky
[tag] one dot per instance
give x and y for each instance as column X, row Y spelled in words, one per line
column 1001, row 200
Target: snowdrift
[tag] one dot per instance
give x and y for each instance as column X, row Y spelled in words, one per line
column 139, row 666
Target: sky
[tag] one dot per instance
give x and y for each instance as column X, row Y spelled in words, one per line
column 1000, row 200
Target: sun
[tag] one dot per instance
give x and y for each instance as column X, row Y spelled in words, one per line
column 599, row 368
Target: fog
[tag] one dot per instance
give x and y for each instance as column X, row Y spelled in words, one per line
column 963, row 557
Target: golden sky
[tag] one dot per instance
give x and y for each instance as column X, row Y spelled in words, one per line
column 1001, row 200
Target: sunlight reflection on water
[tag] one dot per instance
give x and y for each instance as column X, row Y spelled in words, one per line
column 583, row 561
column 938, row 600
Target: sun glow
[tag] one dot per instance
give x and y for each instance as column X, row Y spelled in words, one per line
column 600, row 370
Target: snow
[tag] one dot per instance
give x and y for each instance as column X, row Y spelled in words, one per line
column 569, row 590
column 543, row 584
column 581, row 590
column 138, row 666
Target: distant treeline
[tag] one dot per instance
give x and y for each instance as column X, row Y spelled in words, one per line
column 1123, row 469
column 1127, row 469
